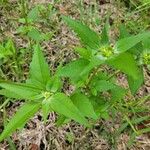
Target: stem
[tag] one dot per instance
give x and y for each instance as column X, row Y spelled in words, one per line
column 91, row 77
column 114, row 74
column 2, row 74
column 4, row 104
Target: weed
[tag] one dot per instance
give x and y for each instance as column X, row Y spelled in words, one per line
column 96, row 93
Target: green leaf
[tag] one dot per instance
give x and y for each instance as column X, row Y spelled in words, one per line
column 62, row 120
column 21, row 90
column 54, row 84
column 83, row 52
column 125, row 62
column 62, row 104
column 123, row 32
column 136, row 84
column 137, row 49
column 84, row 105
column 46, row 109
column 9, row 94
column 10, row 48
column 105, row 34
column 74, row 70
column 129, row 42
column 102, row 85
column 20, row 118
column 88, row 37
column 100, row 106
column 34, row 14
column 39, row 70
column 34, row 34
column 117, row 94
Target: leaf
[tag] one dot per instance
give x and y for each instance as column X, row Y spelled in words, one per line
column 39, row 70
column 88, row 37
column 46, row 108
column 62, row 120
column 83, row 52
column 102, row 85
column 100, row 106
column 117, row 94
column 129, row 42
column 54, row 84
column 125, row 62
column 9, row 94
column 34, row 14
column 21, row 90
column 74, row 69
column 10, row 48
column 137, row 49
column 34, row 34
column 62, row 104
column 123, row 32
column 105, row 35
column 136, row 84
column 84, row 105
column 146, row 44
column 20, row 118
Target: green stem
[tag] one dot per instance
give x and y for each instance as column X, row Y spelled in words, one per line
column 4, row 104
column 114, row 74
column 2, row 74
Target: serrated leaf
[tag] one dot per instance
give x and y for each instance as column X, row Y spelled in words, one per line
column 88, row 37
column 21, row 90
column 83, row 52
column 62, row 120
column 46, row 109
column 62, row 104
column 84, row 105
column 123, row 32
column 34, row 14
column 105, row 35
column 100, row 106
column 137, row 49
column 102, row 85
column 74, row 69
column 20, row 118
column 117, row 94
column 34, row 34
column 129, row 42
column 9, row 94
column 10, row 48
column 39, row 70
column 136, row 84
column 125, row 62
column 54, row 84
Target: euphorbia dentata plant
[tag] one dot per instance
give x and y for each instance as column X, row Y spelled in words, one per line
column 95, row 90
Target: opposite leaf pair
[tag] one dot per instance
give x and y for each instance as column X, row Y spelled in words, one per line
column 42, row 91
column 98, row 50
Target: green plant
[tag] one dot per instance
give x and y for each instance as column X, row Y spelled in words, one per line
column 30, row 22
column 96, row 92
column 9, row 55
column 41, row 91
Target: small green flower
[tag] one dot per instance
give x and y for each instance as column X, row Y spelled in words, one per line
column 105, row 51
column 47, row 95
column 146, row 58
